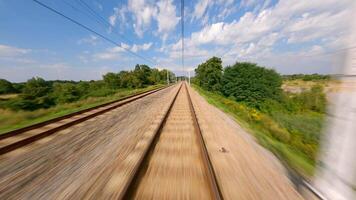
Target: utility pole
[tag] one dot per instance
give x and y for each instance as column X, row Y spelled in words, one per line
column 189, row 76
column 167, row 78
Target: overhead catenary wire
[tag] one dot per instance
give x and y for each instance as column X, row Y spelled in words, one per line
column 182, row 34
column 104, row 22
column 93, row 31
column 84, row 13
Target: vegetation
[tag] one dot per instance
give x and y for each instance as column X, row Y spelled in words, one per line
column 38, row 99
column 307, row 77
column 288, row 124
column 11, row 120
column 209, row 74
column 246, row 82
column 6, row 87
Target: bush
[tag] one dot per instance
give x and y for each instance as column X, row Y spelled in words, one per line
column 314, row 99
column 112, row 80
column 34, row 88
column 208, row 75
column 30, row 104
column 252, row 84
column 65, row 92
column 6, row 87
column 307, row 77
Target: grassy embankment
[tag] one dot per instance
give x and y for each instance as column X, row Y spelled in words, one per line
column 290, row 136
column 11, row 120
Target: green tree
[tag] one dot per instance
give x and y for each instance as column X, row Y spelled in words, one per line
column 171, row 76
column 142, row 72
column 35, row 87
column 112, row 80
column 155, row 76
column 65, row 92
column 35, row 95
column 6, row 87
column 250, row 83
column 208, row 75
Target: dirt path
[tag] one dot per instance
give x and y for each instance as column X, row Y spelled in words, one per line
column 243, row 170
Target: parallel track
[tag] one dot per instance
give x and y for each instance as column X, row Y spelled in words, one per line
column 18, row 138
column 176, row 163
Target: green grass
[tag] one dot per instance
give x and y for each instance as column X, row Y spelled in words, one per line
column 277, row 132
column 12, row 120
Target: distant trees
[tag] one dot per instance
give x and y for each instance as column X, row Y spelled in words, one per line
column 35, row 87
column 208, row 75
column 307, row 77
column 34, row 95
column 112, row 80
column 140, row 77
column 66, row 92
column 37, row 93
column 250, row 83
column 6, row 87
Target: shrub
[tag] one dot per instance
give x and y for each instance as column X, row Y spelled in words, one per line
column 34, row 88
column 6, row 87
column 252, row 84
column 208, row 75
column 65, row 92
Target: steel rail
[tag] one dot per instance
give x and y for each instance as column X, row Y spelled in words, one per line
column 131, row 185
column 207, row 162
column 96, row 110
column 128, row 189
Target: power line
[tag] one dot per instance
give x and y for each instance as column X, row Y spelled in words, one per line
column 86, row 14
column 182, row 22
column 92, row 31
column 102, row 19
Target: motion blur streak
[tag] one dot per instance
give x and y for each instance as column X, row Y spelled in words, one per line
column 336, row 177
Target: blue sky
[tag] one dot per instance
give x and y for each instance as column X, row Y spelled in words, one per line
column 291, row 36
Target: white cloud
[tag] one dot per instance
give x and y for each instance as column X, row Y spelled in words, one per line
column 287, row 19
column 113, row 17
column 143, row 12
column 166, row 17
column 309, row 27
column 254, row 35
column 92, row 40
column 200, row 8
column 119, row 13
column 248, row 3
column 111, row 53
column 10, row 51
column 116, row 52
column 143, row 47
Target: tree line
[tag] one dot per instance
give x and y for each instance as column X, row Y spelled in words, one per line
column 307, row 77
column 38, row 93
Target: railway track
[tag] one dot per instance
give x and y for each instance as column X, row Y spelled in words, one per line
column 176, row 164
column 24, row 136
column 150, row 149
